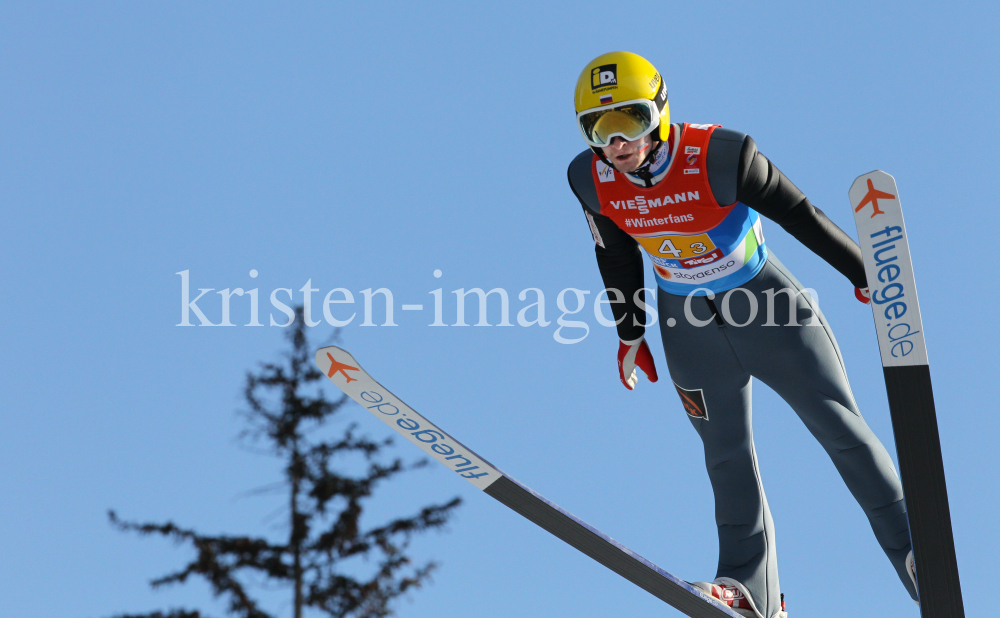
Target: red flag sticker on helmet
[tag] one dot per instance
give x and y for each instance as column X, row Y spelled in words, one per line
column 605, row 99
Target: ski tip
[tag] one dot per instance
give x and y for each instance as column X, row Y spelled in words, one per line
column 325, row 357
column 863, row 178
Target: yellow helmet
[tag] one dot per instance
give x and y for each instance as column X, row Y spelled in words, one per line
column 621, row 94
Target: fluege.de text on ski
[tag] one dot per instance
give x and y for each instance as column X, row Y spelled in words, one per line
column 892, row 297
column 444, row 448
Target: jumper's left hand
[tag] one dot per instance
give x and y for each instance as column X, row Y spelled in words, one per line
column 862, row 295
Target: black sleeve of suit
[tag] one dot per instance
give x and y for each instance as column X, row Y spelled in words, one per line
column 619, row 260
column 761, row 186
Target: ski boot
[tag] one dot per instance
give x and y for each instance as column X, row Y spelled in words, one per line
column 911, row 569
column 733, row 594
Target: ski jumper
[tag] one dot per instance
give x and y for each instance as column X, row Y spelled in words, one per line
column 698, row 221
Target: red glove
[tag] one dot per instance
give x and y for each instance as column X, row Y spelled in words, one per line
column 862, row 295
column 632, row 354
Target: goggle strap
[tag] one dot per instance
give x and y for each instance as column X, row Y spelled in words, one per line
column 661, row 96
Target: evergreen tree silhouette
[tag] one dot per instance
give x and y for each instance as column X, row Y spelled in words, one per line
column 324, row 510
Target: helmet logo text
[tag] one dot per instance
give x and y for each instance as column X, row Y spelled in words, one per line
column 604, row 75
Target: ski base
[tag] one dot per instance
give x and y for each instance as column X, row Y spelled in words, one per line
column 605, row 550
column 918, row 447
column 346, row 373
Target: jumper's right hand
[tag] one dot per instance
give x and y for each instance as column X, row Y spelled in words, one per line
column 632, row 354
column 862, row 295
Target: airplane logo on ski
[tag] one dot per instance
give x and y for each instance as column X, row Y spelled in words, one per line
column 873, row 196
column 336, row 367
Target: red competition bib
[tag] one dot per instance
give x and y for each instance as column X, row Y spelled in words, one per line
column 696, row 245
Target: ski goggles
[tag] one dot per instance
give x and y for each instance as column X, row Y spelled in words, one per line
column 630, row 120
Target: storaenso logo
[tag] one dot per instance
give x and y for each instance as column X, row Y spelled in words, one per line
column 705, row 273
column 603, row 76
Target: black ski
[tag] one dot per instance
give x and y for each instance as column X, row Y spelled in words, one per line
column 877, row 213
column 347, row 374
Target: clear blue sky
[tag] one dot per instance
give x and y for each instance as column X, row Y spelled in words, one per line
column 364, row 145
